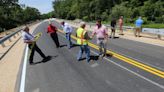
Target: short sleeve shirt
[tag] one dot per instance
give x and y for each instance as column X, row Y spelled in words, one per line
column 100, row 32
column 139, row 22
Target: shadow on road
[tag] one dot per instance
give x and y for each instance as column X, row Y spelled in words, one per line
column 95, row 58
column 115, row 37
column 75, row 45
column 109, row 55
column 62, row 46
column 45, row 61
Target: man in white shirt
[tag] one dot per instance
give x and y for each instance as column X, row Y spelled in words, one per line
column 30, row 40
column 68, row 31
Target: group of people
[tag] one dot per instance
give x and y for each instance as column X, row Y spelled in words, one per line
column 82, row 39
column 137, row 31
column 82, row 35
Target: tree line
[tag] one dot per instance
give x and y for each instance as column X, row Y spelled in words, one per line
column 152, row 11
column 12, row 14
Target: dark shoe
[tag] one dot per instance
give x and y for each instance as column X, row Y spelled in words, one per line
column 79, row 59
column 31, row 63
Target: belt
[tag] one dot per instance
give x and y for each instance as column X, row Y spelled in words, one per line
column 101, row 38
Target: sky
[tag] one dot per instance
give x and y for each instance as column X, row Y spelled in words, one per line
column 44, row 6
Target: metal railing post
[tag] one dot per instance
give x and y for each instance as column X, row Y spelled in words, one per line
column 3, row 45
column 158, row 35
column 10, row 40
column 14, row 36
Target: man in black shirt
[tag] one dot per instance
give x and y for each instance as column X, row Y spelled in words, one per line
column 113, row 28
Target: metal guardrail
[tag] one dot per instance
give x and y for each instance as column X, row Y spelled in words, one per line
column 2, row 40
column 159, row 34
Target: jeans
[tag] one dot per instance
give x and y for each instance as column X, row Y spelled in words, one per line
column 102, row 46
column 68, row 37
column 87, row 52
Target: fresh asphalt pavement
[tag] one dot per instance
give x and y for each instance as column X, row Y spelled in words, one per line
column 63, row 73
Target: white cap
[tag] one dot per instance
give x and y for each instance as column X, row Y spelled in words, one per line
column 82, row 23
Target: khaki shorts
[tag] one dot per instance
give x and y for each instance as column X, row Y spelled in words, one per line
column 138, row 28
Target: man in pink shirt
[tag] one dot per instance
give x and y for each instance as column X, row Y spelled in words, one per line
column 101, row 33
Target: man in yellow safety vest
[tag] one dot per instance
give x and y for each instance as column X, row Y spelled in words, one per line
column 82, row 41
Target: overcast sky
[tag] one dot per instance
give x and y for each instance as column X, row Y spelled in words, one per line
column 44, row 6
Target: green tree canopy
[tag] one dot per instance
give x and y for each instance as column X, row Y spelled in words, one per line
column 151, row 10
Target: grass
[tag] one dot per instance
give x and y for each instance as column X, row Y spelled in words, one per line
column 153, row 26
column 144, row 25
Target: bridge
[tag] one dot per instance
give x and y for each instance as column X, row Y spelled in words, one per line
column 132, row 65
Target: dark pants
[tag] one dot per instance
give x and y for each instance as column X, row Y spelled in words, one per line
column 112, row 32
column 55, row 39
column 35, row 48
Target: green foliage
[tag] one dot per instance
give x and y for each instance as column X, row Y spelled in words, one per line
column 12, row 14
column 86, row 18
column 152, row 11
column 48, row 15
column 154, row 26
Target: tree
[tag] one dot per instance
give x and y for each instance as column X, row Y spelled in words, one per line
column 12, row 14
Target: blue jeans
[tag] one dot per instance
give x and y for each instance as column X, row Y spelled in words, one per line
column 68, row 37
column 87, row 52
column 102, row 46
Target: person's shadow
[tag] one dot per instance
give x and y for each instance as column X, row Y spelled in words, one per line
column 63, row 45
column 95, row 58
column 74, row 45
column 46, row 60
column 92, row 58
column 109, row 55
column 116, row 37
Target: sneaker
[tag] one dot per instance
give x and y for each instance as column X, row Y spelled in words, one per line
column 101, row 56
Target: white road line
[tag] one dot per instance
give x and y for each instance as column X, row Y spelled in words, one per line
column 157, row 84
column 23, row 77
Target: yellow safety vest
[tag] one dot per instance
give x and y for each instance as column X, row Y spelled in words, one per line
column 80, row 36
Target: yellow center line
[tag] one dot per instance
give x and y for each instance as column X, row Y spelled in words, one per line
column 128, row 60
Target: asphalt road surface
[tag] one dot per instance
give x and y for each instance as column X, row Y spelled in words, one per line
column 63, row 73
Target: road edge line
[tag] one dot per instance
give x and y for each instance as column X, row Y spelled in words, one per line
column 23, row 76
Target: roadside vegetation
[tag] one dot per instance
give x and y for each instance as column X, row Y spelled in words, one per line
column 152, row 11
column 12, row 14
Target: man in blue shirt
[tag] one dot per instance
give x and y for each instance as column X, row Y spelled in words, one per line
column 30, row 40
column 68, row 31
column 138, row 24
